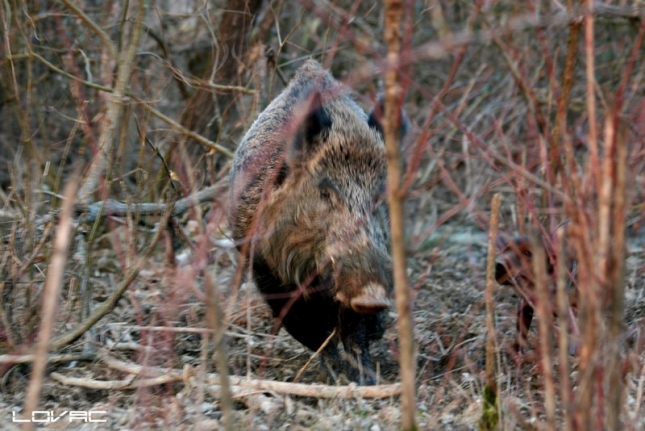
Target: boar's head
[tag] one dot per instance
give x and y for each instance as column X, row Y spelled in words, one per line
column 326, row 216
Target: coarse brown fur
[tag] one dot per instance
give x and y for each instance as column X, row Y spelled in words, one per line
column 307, row 203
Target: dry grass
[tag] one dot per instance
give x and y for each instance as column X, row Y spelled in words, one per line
column 530, row 100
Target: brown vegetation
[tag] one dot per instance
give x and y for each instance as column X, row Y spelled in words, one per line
column 135, row 108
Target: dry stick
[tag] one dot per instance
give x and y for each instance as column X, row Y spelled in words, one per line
column 567, row 84
column 316, row 353
column 110, row 207
column 52, row 288
column 241, row 389
column 591, row 84
column 589, row 298
column 616, row 277
column 606, row 195
column 522, row 196
column 586, row 278
column 115, row 105
column 490, row 412
column 182, row 129
column 317, row 391
column 544, row 314
column 214, row 317
column 392, row 127
column 304, row 390
column 127, row 383
column 563, row 323
column 51, row 359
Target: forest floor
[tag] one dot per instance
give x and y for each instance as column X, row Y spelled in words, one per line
column 447, row 275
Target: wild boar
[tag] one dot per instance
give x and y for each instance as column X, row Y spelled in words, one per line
column 514, row 267
column 307, row 207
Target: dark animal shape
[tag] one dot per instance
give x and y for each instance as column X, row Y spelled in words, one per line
column 307, row 205
column 514, row 267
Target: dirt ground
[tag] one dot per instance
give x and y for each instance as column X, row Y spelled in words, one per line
column 447, row 275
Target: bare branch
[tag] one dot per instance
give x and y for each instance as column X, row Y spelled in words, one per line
column 490, row 414
column 91, row 24
column 115, row 107
column 299, row 389
column 392, row 131
column 50, row 300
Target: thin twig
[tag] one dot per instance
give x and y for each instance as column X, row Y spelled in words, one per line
column 392, row 129
column 490, row 412
column 51, row 290
column 51, row 359
column 91, row 24
column 563, row 323
column 563, row 102
column 544, row 313
column 214, row 317
column 231, row 88
column 316, row 353
column 175, row 125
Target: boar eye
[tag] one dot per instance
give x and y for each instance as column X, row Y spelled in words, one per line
column 325, row 193
column 327, row 189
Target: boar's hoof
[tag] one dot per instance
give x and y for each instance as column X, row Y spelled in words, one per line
column 364, row 377
column 372, row 299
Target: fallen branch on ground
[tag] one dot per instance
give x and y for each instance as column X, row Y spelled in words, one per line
column 110, row 207
column 52, row 359
column 239, row 386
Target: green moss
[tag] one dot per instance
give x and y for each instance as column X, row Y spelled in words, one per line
column 490, row 412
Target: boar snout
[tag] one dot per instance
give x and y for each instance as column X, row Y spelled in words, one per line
column 364, row 280
column 507, row 269
column 513, row 263
column 372, row 299
column 501, row 274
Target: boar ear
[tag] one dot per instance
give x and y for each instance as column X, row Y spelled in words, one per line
column 315, row 124
column 502, row 242
column 374, row 120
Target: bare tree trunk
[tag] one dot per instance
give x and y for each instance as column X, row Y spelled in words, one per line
column 203, row 110
column 116, row 101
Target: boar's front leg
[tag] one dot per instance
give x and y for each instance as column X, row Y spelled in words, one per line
column 356, row 331
column 308, row 320
column 522, row 325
